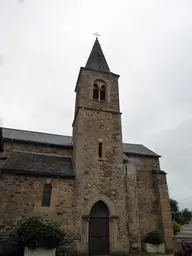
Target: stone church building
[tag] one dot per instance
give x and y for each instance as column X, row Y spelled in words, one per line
column 106, row 194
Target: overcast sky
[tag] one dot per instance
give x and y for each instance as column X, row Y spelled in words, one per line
column 43, row 43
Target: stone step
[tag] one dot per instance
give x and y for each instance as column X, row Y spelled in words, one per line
column 185, row 237
column 186, row 228
column 185, row 233
column 188, row 235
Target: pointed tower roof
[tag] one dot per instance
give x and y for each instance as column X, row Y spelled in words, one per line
column 97, row 59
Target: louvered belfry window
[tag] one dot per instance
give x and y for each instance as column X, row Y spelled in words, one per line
column 46, row 199
column 95, row 92
column 102, row 93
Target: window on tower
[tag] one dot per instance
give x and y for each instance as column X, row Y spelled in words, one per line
column 99, row 90
column 95, row 92
column 46, row 199
column 102, row 92
column 100, row 149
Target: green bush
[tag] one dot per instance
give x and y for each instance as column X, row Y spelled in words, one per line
column 35, row 233
column 176, row 227
column 153, row 237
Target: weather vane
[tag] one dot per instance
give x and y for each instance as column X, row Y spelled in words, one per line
column 96, row 34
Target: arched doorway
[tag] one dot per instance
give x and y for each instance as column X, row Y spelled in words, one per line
column 99, row 229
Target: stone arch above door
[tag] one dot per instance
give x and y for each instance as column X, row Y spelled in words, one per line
column 88, row 206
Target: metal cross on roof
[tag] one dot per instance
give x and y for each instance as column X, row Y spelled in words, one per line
column 96, row 34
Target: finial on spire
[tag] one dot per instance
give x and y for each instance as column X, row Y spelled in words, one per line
column 96, row 34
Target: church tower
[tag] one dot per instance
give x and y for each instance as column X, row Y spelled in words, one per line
column 98, row 159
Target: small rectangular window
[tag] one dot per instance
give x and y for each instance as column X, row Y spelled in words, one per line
column 46, row 198
column 100, row 153
column 125, row 169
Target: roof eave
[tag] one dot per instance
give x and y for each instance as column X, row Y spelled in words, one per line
column 145, row 155
column 38, row 174
column 159, row 172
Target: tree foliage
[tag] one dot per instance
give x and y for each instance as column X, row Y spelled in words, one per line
column 181, row 217
column 174, row 206
column 178, row 217
column 187, row 215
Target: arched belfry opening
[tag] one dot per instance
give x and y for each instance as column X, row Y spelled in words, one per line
column 99, row 90
column 95, row 92
column 99, row 229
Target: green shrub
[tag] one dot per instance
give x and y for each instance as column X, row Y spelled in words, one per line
column 35, row 233
column 153, row 237
column 176, row 227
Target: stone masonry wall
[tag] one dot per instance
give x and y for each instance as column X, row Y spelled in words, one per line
column 35, row 147
column 85, row 91
column 153, row 199
column 165, row 209
column 101, row 178
column 21, row 196
column 148, row 200
column 132, row 206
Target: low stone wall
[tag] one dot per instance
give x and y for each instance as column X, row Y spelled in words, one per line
column 39, row 252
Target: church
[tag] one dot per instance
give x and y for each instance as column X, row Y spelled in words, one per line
column 105, row 194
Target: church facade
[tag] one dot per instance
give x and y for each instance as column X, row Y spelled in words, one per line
column 105, row 194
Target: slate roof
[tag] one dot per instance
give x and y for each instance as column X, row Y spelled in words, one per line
column 138, row 149
column 39, row 164
column 66, row 141
column 97, row 59
column 39, row 137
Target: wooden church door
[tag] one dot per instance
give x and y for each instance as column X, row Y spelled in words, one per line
column 99, row 229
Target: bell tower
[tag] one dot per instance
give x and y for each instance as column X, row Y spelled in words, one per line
column 98, row 151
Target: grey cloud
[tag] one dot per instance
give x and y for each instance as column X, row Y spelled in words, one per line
column 176, row 146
